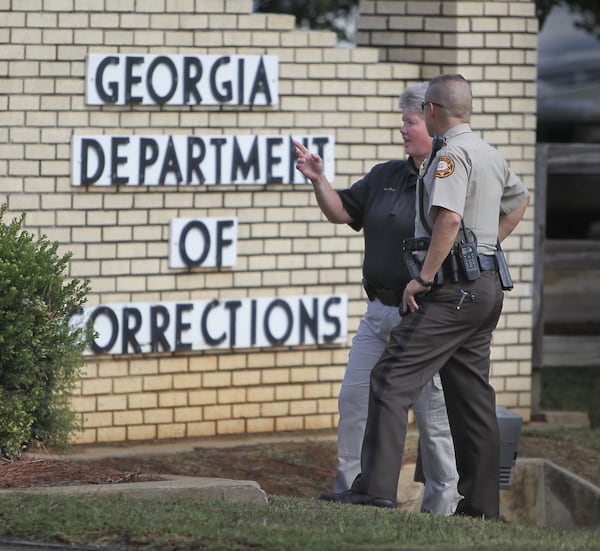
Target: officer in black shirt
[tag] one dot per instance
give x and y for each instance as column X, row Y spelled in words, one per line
column 382, row 203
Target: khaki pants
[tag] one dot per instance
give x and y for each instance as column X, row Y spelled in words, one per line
column 456, row 343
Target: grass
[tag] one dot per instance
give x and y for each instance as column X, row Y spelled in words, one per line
column 286, row 524
column 572, row 389
column 289, row 524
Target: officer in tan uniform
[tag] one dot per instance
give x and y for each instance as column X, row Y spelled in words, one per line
column 468, row 200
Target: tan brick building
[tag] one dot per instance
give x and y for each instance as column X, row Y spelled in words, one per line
column 120, row 234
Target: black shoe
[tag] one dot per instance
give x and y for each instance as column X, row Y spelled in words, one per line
column 354, row 498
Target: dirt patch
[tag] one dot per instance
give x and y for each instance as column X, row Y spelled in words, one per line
column 284, row 468
column 289, row 468
column 29, row 473
column 576, row 458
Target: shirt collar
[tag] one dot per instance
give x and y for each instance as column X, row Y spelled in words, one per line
column 456, row 130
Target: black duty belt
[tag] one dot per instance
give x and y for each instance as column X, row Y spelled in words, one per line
column 452, row 274
column 393, row 297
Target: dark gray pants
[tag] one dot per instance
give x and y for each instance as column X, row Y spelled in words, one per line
column 455, row 342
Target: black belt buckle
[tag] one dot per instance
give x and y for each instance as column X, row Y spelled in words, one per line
column 415, row 244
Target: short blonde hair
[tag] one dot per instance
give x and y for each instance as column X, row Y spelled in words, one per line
column 412, row 98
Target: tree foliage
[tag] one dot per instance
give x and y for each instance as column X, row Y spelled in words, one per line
column 332, row 15
column 41, row 354
column 587, row 13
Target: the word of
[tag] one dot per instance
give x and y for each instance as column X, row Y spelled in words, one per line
column 207, row 242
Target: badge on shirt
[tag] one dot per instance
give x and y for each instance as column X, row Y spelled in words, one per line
column 445, row 167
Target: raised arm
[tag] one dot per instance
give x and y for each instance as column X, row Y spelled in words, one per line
column 330, row 203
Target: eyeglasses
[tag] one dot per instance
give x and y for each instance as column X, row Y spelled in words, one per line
column 423, row 104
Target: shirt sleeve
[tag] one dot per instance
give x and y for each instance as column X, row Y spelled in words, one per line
column 514, row 192
column 355, row 199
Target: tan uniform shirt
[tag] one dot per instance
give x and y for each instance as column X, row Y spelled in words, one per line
column 469, row 177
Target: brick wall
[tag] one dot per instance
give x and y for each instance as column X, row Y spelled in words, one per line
column 119, row 236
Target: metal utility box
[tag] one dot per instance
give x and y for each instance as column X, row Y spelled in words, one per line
column 510, row 424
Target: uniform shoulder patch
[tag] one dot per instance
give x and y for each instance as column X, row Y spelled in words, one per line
column 445, row 167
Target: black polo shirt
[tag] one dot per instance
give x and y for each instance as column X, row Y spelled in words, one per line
column 383, row 204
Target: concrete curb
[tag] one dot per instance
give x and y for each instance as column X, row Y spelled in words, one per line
column 179, row 487
column 544, row 494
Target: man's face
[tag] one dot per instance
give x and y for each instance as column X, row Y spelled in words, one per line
column 417, row 141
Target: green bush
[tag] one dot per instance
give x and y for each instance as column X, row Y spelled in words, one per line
column 41, row 354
